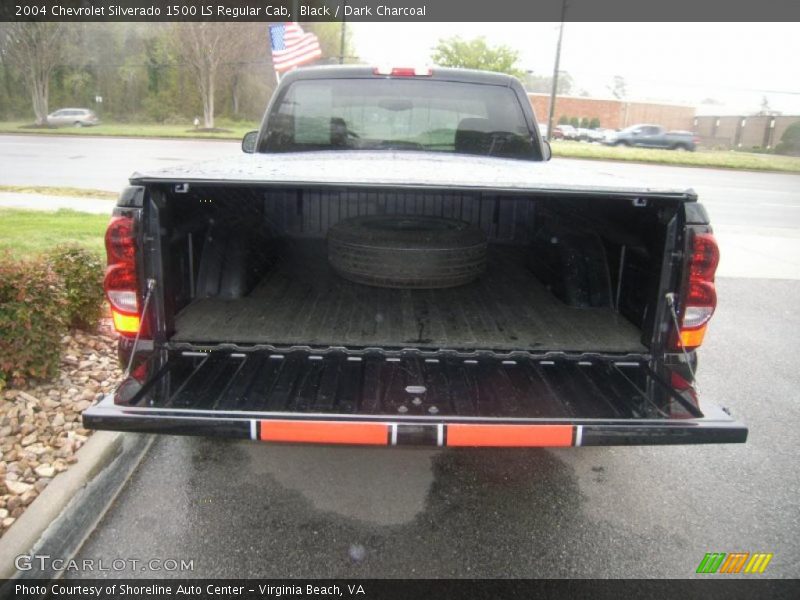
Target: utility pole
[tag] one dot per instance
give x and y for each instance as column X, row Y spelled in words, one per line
column 555, row 73
column 342, row 40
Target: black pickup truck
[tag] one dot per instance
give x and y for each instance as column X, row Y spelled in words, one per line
column 394, row 260
column 652, row 136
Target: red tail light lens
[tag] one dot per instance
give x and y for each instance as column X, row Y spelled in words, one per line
column 120, row 276
column 704, row 259
column 403, row 71
column 120, row 240
column 120, row 282
column 700, row 299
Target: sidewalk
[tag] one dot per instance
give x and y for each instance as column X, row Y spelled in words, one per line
column 45, row 202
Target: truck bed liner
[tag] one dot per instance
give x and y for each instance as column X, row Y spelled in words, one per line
column 341, row 398
column 303, row 302
column 377, row 385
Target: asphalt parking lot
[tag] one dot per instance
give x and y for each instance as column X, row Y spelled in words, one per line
column 244, row 509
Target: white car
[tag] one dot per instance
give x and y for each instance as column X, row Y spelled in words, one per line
column 595, row 135
column 76, row 117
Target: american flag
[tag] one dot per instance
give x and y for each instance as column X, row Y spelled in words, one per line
column 291, row 46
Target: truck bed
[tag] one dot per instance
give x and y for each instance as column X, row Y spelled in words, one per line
column 302, row 301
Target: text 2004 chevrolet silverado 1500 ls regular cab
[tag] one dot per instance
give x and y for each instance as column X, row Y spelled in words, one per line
column 393, row 260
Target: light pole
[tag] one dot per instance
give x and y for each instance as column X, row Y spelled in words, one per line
column 342, row 40
column 555, row 73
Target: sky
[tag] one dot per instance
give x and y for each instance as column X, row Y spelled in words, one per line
column 736, row 64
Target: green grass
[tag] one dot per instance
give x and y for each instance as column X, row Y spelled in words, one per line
column 59, row 191
column 29, row 232
column 713, row 159
column 152, row 130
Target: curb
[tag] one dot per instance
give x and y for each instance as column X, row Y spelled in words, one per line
column 125, row 137
column 676, row 165
column 51, row 203
column 101, row 448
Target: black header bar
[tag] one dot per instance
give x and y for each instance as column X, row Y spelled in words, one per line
column 709, row 588
column 402, row 10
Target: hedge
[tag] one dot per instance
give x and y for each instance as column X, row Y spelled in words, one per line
column 40, row 299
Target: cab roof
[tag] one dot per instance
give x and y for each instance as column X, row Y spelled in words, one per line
column 363, row 71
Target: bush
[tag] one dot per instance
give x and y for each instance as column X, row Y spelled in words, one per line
column 81, row 272
column 32, row 319
column 790, row 141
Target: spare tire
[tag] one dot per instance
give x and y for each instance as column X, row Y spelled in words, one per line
column 407, row 251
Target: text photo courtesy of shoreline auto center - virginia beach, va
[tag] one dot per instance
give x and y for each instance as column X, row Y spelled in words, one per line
column 399, row 299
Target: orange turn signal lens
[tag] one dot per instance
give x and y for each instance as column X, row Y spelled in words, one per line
column 125, row 323
column 317, row 432
column 527, row 436
column 692, row 338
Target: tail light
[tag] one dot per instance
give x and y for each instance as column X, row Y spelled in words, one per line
column 120, row 283
column 700, row 298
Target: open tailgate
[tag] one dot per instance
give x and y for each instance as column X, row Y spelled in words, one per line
column 372, row 398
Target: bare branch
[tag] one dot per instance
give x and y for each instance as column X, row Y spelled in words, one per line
column 35, row 49
column 204, row 47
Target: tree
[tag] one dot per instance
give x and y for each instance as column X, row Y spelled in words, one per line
column 249, row 50
column 594, row 123
column 563, row 120
column 574, row 122
column 476, row 54
column 790, row 140
column 766, row 109
column 142, row 71
column 35, row 49
column 329, row 35
column 204, row 47
column 618, row 88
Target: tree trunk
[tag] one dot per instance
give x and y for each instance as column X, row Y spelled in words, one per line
column 208, row 102
column 39, row 92
column 235, row 95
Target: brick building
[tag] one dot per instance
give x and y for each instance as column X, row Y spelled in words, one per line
column 743, row 132
column 614, row 114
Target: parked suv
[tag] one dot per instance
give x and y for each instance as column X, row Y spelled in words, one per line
column 77, row 117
